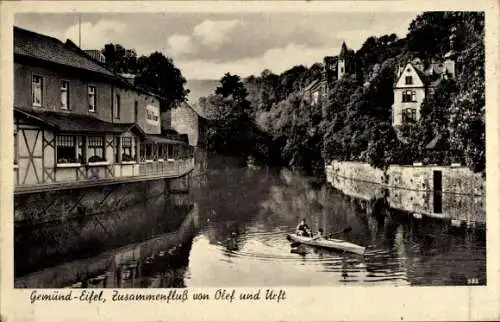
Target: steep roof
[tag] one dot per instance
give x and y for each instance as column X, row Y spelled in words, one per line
column 34, row 45
column 431, row 76
column 76, row 122
column 312, row 85
column 168, row 139
column 344, row 50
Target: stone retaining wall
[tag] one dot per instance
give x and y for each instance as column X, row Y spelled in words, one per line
column 411, row 188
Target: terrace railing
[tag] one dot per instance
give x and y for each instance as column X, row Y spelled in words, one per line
column 84, row 176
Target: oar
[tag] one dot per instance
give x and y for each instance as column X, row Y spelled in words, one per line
column 345, row 230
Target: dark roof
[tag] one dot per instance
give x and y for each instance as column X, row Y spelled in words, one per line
column 163, row 139
column 34, row 45
column 314, row 84
column 431, row 76
column 344, row 50
column 31, row 44
column 66, row 122
column 196, row 108
column 205, row 111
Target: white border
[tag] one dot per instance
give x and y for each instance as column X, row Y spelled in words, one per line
column 318, row 303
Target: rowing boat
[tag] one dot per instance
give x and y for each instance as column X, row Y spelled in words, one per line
column 337, row 244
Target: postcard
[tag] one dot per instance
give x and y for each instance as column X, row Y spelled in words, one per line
column 197, row 160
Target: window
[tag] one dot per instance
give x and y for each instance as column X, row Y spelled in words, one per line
column 117, row 149
column 151, row 115
column 136, row 148
column 117, row 107
column 148, row 153
column 315, row 98
column 66, row 149
column 136, row 110
column 127, row 149
column 64, row 95
column 409, row 96
column 15, row 146
column 36, row 90
column 95, row 149
column 92, row 105
column 162, row 154
column 409, row 115
column 409, row 80
column 80, row 151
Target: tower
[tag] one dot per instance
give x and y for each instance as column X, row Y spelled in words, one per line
column 343, row 56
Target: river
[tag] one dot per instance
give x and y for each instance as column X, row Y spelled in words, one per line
column 235, row 236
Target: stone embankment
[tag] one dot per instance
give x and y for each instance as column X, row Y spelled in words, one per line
column 452, row 193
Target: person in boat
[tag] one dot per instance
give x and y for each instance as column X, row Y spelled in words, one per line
column 303, row 229
column 319, row 234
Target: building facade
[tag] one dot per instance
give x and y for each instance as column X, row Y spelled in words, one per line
column 76, row 121
column 414, row 82
column 185, row 120
column 417, row 79
column 334, row 68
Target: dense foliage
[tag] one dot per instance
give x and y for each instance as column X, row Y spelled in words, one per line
column 155, row 72
column 354, row 120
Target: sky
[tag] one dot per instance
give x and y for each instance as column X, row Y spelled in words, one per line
column 207, row 45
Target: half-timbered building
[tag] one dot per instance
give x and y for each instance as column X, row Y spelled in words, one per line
column 76, row 121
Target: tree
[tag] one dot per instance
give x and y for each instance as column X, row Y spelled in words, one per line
column 467, row 111
column 159, row 75
column 155, row 72
column 354, row 121
column 231, row 85
column 231, row 132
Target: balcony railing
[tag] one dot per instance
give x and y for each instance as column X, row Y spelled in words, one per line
column 85, row 176
column 166, row 167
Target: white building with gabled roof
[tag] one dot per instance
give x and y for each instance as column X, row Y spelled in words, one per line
column 416, row 80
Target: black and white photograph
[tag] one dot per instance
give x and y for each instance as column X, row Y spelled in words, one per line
column 242, row 149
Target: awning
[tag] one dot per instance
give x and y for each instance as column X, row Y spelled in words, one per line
column 162, row 140
column 70, row 122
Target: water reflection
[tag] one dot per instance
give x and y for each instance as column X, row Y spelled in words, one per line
column 242, row 239
column 160, row 261
column 235, row 235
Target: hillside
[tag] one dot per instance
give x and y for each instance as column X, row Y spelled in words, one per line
column 352, row 120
